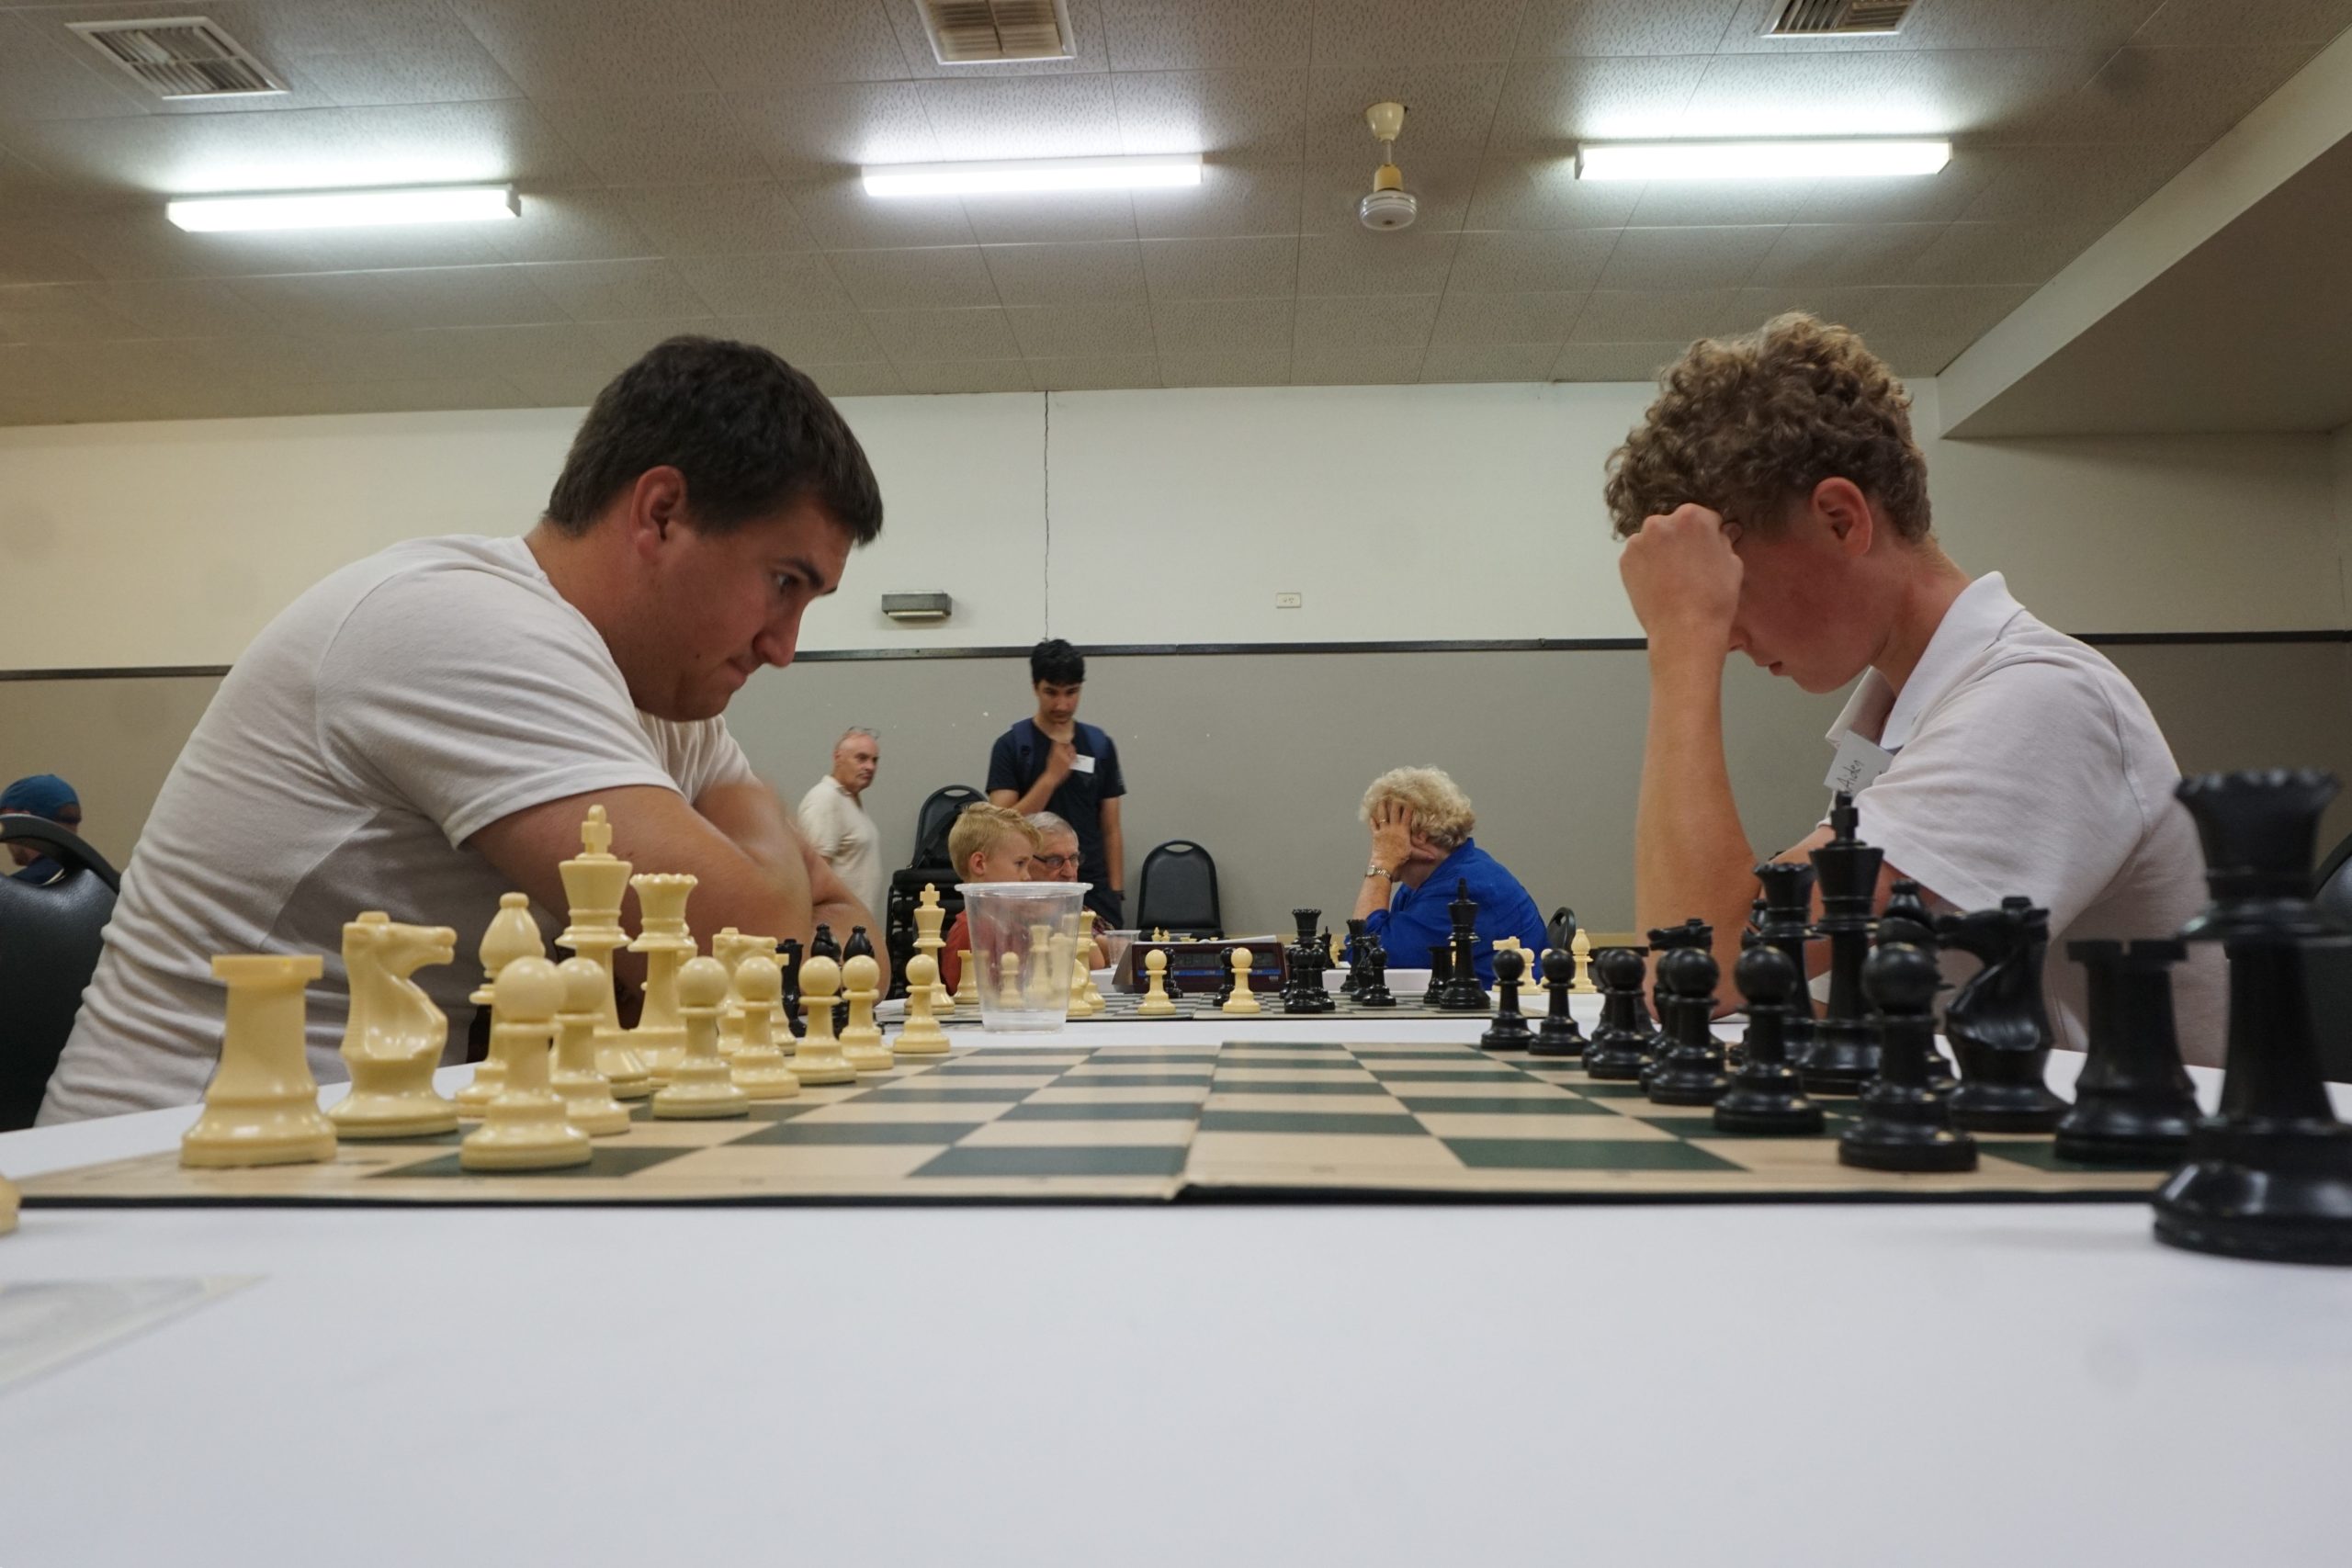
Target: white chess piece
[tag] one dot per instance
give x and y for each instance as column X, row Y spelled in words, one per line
column 525, row 1128
column 394, row 1036
column 862, row 1044
column 920, row 1035
column 967, row 985
column 587, row 1095
column 819, row 1060
column 660, row 1032
column 1155, row 1003
column 512, row 934
column 758, row 1063
column 929, row 915
column 1580, row 949
column 262, row 1107
column 700, row 1085
column 1243, row 999
column 593, row 883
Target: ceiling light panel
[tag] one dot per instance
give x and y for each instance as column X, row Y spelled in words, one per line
column 1834, row 159
column 1034, row 175
column 344, row 209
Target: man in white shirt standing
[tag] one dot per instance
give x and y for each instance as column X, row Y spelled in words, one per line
column 424, row 729
column 1774, row 504
column 833, row 819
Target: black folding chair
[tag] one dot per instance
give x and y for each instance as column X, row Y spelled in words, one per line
column 934, row 816
column 49, row 949
column 1177, row 889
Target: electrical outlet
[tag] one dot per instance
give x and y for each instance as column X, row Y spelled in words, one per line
column 1290, row 601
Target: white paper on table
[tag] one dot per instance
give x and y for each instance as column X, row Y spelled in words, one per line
column 46, row 1323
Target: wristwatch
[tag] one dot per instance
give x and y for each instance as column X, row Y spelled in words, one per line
column 1380, row 871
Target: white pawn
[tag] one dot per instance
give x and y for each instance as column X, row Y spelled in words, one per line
column 586, row 1093
column 1079, row 1005
column 757, row 1063
column 1045, row 991
column 512, row 934
column 819, row 1060
column 525, row 1128
column 1155, row 1003
column 1243, row 999
column 920, row 1035
column 700, row 1085
column 862, row 1044
column 967, row 984
column 1008, row 972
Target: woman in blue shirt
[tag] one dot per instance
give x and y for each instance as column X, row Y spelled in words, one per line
column 1421, row 850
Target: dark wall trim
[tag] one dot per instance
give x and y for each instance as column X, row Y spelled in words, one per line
column 1212, row 649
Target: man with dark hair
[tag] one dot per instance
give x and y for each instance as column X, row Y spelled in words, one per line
column 52, row 799
column 426, row 729
column 1052, row 763
column 1774, row 504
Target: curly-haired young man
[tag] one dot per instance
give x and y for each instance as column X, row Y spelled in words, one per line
column 1774, row 504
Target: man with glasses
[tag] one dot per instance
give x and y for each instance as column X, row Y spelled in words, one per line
column 1056, row 861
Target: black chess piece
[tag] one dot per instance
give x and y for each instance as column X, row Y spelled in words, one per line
column 1690, row 1070
column 1460, row 992
column 859, row 946
column 1905, row 917
column 2134, row 1104
column 1665, row 940
column 788, row 958
column 1844, row 1055
column 823, row 944
column 1303, row 979
column 1997, row 1022
column 2271, row 1176
column 1788, row 926
column 1358, row 970
column 1620, row 1040
column 1753, row 931
column 1167, row 977
column 1767, row 1095
column 1509, row 1030
column 1558, row 1035
column 1374, row 992
column 1905, row 1124
column 1441, row 973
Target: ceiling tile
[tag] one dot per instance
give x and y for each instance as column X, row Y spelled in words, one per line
column 2234, row 23
column 1544, row 193
column 1940, row 197
column 1336, row 191
column 1661, row 315
column 1262, row 367
column 404, row 397
column 573, row 225
column 1070, row 331
column 1363, row 322
column 1671, row 203
column 1022, row 116
column 681, row 139
column 813, row 130
column 809, row 338
column 2084, row 184
column 1623, row 26
column 182, row 308
column 586, row 49
column 1489, row 319
column 689, row 221
column 467, row 296
column 919, row 335
column 1047, row 219
column 1093, row 375
column 750, row 45
column 1531, row 261
column 43, row 78
column 967, row 376
column 34, row 255
column 1066, row 274
column 61, row 312
column 1247, row 113
column 615, row 290
column 556, row 388
column 1451, row 107
column 132, row 242
column 367, row 356
column 275, row 358
column 1615, row 361
column 1265, row 267
column 2027, row 24
column 1088, row 54
column 1153, row 35
column 1992, row 253
column 496, row 351
column 1489, row 362
column 1945, row 92
column 1944, row 310
column 2174, row 94
column 145, row 154
column 1917, row 355
column 1381, row 32
column 865, row 381
column 350, row 250
column 765, row 285
column 449, row 143
column 1356, row 367
column 941, row 278
column 384, row 52
column 323, row 304
column 1846, row 252
column 1231, row 199
column 842, row 217
column 1222, row 326
column 1547, row 106
column 1686, row 258
column 626, row 340
column 1410, row 261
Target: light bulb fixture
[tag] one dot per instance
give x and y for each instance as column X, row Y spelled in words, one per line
column 344, row 208
column 1388, row 205
column 1155, row 171
column 1860, row 158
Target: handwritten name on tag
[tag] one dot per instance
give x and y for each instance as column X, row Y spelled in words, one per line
column 1857, row 764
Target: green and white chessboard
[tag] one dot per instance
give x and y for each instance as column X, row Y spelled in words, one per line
column 1269, row 1118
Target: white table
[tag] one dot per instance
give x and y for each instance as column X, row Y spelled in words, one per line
column 1813, row 1384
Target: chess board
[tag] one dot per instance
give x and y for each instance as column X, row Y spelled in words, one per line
column 1120, row 1007
column 1260, row 1118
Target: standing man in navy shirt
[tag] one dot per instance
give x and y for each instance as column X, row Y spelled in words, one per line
column 1052, row 763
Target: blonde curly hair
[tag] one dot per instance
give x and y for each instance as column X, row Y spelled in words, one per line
column 1440, row 809
column 1747, row 425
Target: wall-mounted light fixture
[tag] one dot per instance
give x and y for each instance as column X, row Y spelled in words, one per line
column 918, row 608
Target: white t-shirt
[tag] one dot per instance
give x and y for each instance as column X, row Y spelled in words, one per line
column 388, row 714
column 842, row 832
column 2026, row 763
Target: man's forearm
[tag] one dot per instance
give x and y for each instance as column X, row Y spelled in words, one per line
column 1691, row 855
column 749, row 813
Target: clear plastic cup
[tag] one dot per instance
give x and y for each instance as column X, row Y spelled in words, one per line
column 1036, row 924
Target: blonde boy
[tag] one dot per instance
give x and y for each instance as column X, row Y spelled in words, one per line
column 986, row 843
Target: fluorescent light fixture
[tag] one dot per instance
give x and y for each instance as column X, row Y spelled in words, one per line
column 344, row 208
column 1760, row 160
column 1033, row 175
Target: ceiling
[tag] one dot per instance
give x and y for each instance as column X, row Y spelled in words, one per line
column 691, row 165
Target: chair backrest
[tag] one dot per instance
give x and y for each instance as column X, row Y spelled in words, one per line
column 1561, row 928
column 1177, row 888
column 48, row 948
column 933, row 819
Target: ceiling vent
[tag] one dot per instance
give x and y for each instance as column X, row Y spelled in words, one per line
column 1839, row 18
column 182, row 57
column 982, row 32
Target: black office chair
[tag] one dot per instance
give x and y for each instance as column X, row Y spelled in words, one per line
column 2332, row 970
column 48, row 948
column 936, row 814
column 1177, row 889
column 1561, row 928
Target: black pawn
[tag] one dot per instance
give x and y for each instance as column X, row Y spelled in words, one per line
column 1558, row 1035
column 1997, row 1021
column 2271, row 1176
column 1690, row 1070
column 1375, row 992
column 1905, row 917
column 1621, row 1041
column 2134, row 1104
column 1663, row 941
column 1509, row 1030
column 1905, row 1124
column 1441, row 973
column 1767, row 1095
column 1844, row 1055
column 1358, row 970
column 1788, row 925
column 788, row 958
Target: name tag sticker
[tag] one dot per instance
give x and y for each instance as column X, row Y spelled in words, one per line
column 1082, row 764
column 1857, row 764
